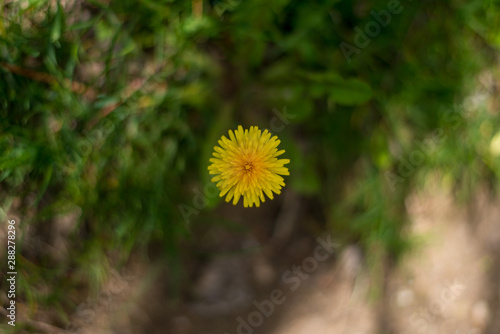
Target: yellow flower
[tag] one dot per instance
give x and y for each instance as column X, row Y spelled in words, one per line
column 246, row 165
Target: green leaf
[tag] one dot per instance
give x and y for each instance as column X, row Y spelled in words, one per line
column 350, row 92
column 55, row 33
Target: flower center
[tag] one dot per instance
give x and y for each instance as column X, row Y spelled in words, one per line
column 248, row 167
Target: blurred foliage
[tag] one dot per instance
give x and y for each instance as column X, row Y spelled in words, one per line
column 110, row 110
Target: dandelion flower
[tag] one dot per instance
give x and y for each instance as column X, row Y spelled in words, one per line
column 246, row 165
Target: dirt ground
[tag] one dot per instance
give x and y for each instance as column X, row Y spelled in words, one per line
column 449, row 283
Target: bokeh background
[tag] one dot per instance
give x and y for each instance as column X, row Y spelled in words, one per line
column 109, row 114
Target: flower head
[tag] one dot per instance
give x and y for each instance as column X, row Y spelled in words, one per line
column 246, row 165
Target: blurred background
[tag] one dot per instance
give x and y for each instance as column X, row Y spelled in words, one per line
column 388, row 111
